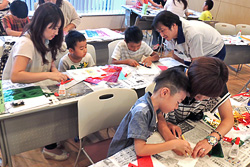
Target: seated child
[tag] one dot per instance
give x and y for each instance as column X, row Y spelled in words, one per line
column 77, row 57
column 17, row 19
column 206, row 14
column 139, row 124
column 132, row 49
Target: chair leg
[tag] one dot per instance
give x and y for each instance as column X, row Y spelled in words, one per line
column 78, row 153
column 245, row 86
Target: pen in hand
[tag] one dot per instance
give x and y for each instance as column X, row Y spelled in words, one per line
column 183, row 138
column 144, row 65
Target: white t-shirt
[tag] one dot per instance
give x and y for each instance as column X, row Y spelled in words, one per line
column 70, row 14
column 67, row 64
column 177, row 8
column 121, row 52
column 201, row 39
column 25, row 47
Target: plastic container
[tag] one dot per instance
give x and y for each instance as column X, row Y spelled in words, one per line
column 234, row 151
column 239, row 34
column 62, row 90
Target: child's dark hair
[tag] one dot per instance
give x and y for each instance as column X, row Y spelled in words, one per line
column 166, row 18
column 19, row 9
column 173, row 78
column 133, row 34
column 73, row 37
column 208, row 76
column 209, row 4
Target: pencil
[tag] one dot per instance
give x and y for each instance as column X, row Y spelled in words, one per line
column 183, row 138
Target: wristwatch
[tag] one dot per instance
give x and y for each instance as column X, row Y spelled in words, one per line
column 212, row 140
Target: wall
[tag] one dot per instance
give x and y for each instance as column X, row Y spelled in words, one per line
column 92, row 22
column 228, row 11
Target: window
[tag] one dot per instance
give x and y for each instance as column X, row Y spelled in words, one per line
column 91, row 7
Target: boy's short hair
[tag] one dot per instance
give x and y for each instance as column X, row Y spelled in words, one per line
column 73, row 37
column 208, row 76
column 19, row 9
column 209, row 4
column 166, row 18
column 133, row 34
column 173, row 78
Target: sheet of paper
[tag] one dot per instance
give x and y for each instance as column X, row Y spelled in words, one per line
column 28, row 104
column 170, row 62
column 82, row 74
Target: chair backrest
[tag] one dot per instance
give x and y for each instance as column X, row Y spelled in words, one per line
column 225, row 28
column 211, row 22
column 143, row 24
column 111, row 47
column 150, row 88
column 103, row 109
column 245, row 29
column 91, row 50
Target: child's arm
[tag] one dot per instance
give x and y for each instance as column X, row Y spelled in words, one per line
column 130, row 62
column 165, row 131
column 144, row 149
column 18, row 73
column 11, row 32
column 153, row 57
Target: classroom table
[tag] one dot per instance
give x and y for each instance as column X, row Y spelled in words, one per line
column 236, row 52
column 100, row 38
column 195, row 131
column 39, row 126
column 131, row 12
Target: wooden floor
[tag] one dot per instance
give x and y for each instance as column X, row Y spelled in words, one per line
column 34, row 158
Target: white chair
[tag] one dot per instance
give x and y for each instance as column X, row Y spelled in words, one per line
column 245, row 29
column 91, row 50
column 100, row 110
column 225, row 28
column 150, row 88
column 111, row 47
column 211, row 22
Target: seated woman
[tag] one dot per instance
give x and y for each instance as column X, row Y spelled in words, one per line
column 17, row 19
column 71, row 18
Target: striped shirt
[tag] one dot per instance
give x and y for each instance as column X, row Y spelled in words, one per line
column 121, row 52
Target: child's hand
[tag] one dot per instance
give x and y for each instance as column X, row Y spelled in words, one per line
column 57, row 76
column 176, row 130
column 147, row 62
column 183, row 147
column 132, row 62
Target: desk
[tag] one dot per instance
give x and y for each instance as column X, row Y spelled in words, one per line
column 131, row 12
column 236, row 53
column 170, row 159
column 100, row 42
column 39, row 126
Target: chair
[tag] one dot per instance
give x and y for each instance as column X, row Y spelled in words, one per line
column 145, row 24
column 150, row 88
column 111, row 47
column 245, row 29
column 91, row 50
column 225, row 28
column 211, row 22
column 100, row 110
column 245, row 86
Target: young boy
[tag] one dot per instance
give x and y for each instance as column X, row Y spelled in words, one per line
column 140, row 122
column 132, row 49
column 17, row 19
column 206, row 14
column 77, row 57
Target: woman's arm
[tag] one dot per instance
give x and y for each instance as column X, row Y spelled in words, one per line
column 4, row 4
column 18, row 73
column 144, row 149
column 227, row 121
